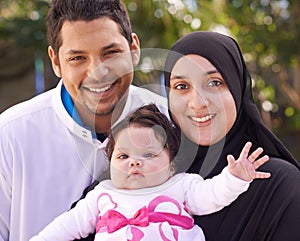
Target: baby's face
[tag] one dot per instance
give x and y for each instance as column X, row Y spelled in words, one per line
column 139, row 159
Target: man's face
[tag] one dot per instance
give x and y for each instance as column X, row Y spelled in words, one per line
column 96, row 64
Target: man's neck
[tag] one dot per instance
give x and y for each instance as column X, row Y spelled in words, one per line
column 98, row 123
column 101, row 124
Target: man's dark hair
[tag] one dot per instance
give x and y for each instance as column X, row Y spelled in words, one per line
column 148, row 116
column 85, row 10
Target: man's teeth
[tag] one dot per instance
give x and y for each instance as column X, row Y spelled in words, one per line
column 202, row 119
column 101, row 89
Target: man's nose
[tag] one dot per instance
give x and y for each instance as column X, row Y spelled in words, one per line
column 98, row 69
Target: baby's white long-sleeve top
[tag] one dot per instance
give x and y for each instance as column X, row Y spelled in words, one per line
column 154, row 213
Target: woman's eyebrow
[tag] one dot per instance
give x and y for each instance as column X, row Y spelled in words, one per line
column 177, row 76
column 212, row 72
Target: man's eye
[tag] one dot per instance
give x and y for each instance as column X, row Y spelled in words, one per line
column 112, row 52
column 181, row 86
column 76, row 58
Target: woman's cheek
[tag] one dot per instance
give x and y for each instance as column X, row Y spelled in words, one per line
column 177, row 103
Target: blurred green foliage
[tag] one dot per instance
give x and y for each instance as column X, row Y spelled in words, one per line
column 268, row 32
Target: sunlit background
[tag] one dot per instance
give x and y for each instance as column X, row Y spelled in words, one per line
column 268, row 32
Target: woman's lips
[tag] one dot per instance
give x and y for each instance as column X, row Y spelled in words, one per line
column 202, row 119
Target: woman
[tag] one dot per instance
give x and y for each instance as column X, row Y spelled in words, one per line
column 210, row 100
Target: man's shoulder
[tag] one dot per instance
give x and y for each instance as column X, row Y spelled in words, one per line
column 140, row 94
column 141, row 91
column 36, row 104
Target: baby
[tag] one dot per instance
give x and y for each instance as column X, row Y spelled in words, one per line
column 145, row 199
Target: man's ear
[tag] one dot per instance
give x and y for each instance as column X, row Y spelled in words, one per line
column 55, row 62
column 135, row 49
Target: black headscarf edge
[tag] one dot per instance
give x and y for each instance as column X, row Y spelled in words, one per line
column 224, row 53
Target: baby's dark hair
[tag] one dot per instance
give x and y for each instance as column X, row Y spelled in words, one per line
column 148, row 116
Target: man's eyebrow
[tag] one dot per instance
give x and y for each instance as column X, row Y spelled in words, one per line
column 112, row 45
column 74, row 51
column 177, row 77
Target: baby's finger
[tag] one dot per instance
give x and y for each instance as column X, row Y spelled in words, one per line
column 254, row 155
column 230, row 160
column 262, row 175
column 260, row 161
column 245, row 151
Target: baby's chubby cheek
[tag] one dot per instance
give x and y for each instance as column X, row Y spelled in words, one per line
column 118, row 176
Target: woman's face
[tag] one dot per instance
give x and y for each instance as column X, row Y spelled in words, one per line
column 200, row 101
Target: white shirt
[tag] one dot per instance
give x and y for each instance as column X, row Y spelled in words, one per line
column 146, row 214
column 47, row 159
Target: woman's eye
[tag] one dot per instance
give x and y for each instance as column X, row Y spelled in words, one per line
column 214, row 83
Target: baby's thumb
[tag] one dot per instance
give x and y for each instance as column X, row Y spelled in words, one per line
column 230, row 160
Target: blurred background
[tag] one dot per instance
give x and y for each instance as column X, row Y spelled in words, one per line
column 268, row 32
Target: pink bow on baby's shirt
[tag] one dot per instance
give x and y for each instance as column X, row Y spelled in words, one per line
column 113, row 220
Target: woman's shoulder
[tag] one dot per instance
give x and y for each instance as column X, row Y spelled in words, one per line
column 279, row 165
column 285, row 176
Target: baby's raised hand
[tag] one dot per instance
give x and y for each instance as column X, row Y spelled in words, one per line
column 245, row 166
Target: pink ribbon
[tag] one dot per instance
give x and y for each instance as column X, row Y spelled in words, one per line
column 113, row 220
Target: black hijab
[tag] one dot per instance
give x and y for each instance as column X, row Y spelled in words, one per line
column 269, row 210
column 223, row 52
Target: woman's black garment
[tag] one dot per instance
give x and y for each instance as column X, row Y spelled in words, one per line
column 91, row 237
column 270, row 209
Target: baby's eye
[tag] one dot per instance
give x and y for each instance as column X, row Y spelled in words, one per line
column 123, row 156
column 149, row 155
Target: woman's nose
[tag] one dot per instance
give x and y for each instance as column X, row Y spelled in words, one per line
column 134, row 162
column 197, row 100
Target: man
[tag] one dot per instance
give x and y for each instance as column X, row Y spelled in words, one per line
column 52, row 146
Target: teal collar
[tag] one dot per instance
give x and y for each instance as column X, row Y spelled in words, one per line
column 70, row 108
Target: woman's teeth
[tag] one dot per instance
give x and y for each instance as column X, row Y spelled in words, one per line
column 202, row 119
